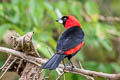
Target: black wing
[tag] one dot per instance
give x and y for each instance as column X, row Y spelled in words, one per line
column 70, row 38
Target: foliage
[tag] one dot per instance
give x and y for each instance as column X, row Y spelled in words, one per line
column 39, row 16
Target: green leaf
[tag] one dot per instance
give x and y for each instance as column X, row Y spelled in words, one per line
column 90, row 34
column 49, row 9
column 92, row 9
column 36, row 11
column 42, row 48
column 76, row 9
column 3, row 29
column 91, row 65
column 53, row 43
column 63, row 7
column 107, row 68
column 17, row 29
column 104, row 38
column 116, row 67
column 80, row 56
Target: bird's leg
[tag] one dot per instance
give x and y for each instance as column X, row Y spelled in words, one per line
column 64, row 64
column 71, row 64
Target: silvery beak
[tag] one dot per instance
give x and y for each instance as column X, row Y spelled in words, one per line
column 60, row 21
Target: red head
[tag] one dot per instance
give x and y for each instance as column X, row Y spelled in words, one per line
column 69, row 21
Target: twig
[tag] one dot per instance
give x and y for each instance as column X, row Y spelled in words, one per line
column 109, row 18
column 41, row 74
column 7, row 68
column 40, row 61
column 42, row 70
column 101, row 18
column 21, row 61
column 58, row 78
column 64, row 76
column 6, row 61
column 45, row 78
column 80, row 65
column 49, row 51
column 58, row 71
column 87, row 76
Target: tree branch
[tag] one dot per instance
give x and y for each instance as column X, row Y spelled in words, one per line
column 101, row 18
column 26, row 70
column 40, row 61
column 109, row 18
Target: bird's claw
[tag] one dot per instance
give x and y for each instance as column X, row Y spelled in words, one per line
column 73, row 66
column 65, row 66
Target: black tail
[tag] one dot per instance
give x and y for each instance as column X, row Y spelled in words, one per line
column 54, row 61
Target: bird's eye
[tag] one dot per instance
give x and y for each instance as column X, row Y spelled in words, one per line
column 65, row 18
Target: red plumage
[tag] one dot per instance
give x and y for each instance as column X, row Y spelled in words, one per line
column 71, row 22
column 75, row 49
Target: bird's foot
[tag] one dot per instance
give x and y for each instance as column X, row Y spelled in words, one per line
column 73, row 66
column 65, row 65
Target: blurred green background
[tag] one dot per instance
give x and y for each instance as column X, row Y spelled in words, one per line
column 101, row 51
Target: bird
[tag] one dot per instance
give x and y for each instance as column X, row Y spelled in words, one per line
column 68, row 44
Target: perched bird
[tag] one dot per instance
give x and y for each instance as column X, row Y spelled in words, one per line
column 68, row 44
